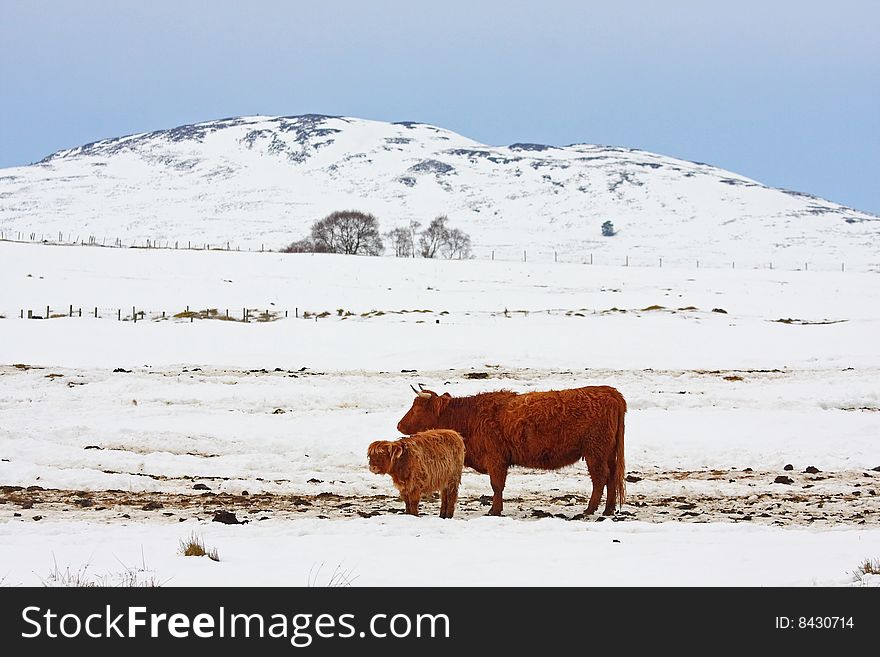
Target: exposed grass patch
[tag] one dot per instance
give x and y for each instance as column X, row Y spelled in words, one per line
column 807, row 322
column 654, row 307
column 207, row 313
column 129, row 577
column 867, row 567
column 194, row 546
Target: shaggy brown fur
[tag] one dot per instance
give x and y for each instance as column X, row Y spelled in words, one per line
column 546, row 430
column 423, row 463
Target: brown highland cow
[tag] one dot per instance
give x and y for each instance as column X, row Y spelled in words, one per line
column 423, row 463
column 546, row 430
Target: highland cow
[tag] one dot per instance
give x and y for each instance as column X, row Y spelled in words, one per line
column 426, row 462
column 546, row 430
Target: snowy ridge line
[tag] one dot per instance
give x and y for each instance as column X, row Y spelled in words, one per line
column 252, row 181
column 507, row 254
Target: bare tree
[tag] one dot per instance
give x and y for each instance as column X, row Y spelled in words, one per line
column 305, row 245
column 348, row 231
column 401, row 241
column 457, row 244
column 413, row 231
column 433, row 236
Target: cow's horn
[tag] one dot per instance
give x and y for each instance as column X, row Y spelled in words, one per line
column 421, row 393
column 421, row 386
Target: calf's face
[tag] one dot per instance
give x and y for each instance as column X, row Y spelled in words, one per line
column 382, row 454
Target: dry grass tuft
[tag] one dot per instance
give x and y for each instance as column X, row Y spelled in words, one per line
column 867, row 567
column 339, row 578
column 194, row 546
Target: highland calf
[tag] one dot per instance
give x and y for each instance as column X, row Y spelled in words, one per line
column 423, row 463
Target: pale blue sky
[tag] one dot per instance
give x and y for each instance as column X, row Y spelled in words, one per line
column 786, row 92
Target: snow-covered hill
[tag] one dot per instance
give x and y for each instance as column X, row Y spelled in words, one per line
column 263, row 180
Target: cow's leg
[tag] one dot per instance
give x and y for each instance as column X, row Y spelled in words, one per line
column 497, row 477
column 444, row 503
column 611, row 486
column 599, row 476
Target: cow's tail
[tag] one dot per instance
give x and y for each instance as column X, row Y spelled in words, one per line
column 618, row 474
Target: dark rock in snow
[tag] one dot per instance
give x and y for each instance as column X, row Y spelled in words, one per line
column 226, row 517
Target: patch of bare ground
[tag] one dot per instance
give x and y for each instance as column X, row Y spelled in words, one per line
column 714, row 495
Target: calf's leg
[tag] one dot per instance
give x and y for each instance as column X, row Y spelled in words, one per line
column 448, row 498
column 412, row 504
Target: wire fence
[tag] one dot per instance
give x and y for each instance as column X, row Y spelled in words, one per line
column 501, row 254
column 72, row 239
column 135, row 314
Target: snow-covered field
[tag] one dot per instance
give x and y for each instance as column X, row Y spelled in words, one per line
column 270, row 419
